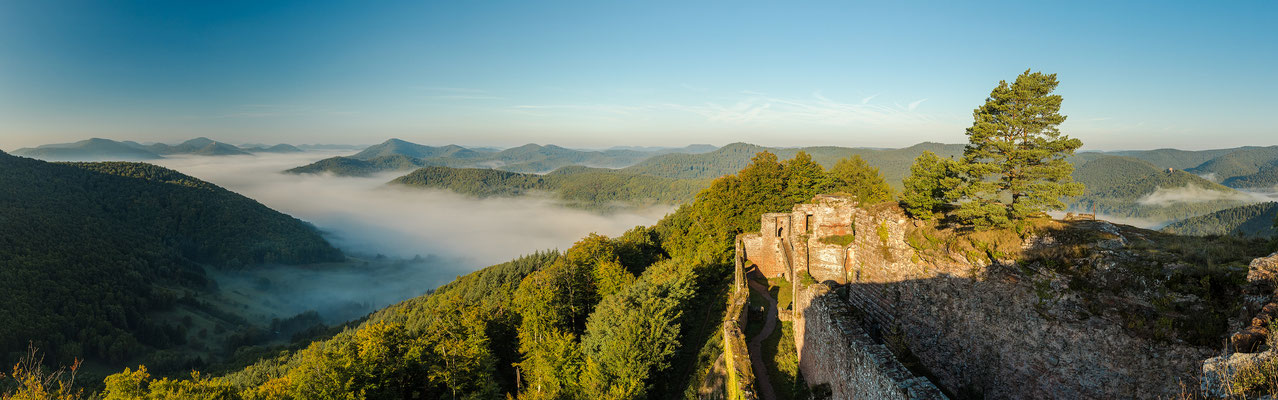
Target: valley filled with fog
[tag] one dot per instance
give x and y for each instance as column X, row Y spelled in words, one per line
column 404, row 241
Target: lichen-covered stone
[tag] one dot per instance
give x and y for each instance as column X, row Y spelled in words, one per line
column 1263, row 270
column 1218, row 371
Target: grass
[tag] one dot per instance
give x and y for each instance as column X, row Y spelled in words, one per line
column 783, row 364
column 839, row 240
column 756, row 317
column 782, row 291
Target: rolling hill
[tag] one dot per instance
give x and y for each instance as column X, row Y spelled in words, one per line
column 400, row 147
column 91, row 253
column 1249, row 220
column 1173, row 158
column 95, row 149
column 1242, row 162
column 529, row 158
column 98, row 149
column 279, row 148
column 1132, row 188
column 198, row 146
column 1266, row 178
column 581, row 187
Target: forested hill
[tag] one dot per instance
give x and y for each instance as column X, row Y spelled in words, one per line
column 893, row 163
column 90, row 150
column 1243, row 162
column 1248, row 220
column 1128, row 187
column 1174, row 158
column 399, row 155
column 98, row 149
column 1266, row 178
column 89, row 250
column 583, row 187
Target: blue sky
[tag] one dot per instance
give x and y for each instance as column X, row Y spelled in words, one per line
column 602, row 73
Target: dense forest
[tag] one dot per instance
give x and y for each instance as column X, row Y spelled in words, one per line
column 1266, row 178
column 582, row 187
column 1243, row 162
column 1123, row 187
column 627, row 318
column 399, row 155
column 90, row 251
column 1249, row 220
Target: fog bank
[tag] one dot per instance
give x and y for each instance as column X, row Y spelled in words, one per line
column 1193, row 194
column 363, row 216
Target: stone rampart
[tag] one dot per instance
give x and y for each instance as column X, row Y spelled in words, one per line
column 835, row 350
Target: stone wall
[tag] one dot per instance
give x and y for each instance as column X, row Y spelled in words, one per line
column 977, row 331
column 835, row 350
column 736, row 354
column 767, row 249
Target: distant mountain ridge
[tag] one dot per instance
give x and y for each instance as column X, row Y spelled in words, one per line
column 98, row 149
column 95, row 149
column 401, row 155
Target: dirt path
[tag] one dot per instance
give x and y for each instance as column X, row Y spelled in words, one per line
column 763, row 382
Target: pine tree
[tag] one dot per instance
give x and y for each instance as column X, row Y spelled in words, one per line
column 931, row 185
column 1014, row 164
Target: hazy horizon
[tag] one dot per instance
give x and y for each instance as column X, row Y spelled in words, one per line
column 428, row 142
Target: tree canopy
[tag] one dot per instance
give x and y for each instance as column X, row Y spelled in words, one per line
column 1014, row 164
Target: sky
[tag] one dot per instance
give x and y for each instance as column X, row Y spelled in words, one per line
column 594, row 74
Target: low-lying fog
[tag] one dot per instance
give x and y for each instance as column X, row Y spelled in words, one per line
column 454, row 234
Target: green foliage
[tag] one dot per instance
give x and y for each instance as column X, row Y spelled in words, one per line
column 856, row 177
column 634, row 334
column 839, row 240
column 931, row 185
column 1256, row 220
column 1242, row 162
column 90, row 251
column 1265, row 178
column 1173, row 158
column 882, row 230
column 1016, row 150
column 588, row 188
column 454, row 343
column 1125, row 187
column 782, row 360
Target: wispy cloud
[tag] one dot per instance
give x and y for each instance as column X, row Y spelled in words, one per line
column 866, row 100
column 915, row 104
